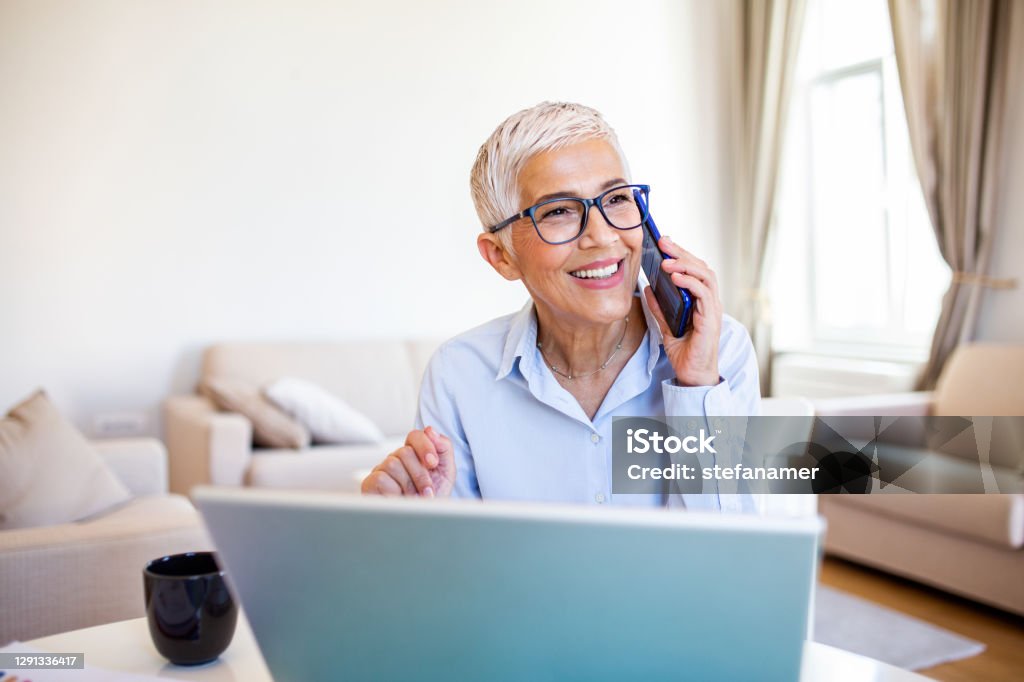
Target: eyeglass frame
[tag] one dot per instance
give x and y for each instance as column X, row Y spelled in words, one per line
column 531, row 213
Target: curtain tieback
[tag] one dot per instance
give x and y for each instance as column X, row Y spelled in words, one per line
column 961, row 277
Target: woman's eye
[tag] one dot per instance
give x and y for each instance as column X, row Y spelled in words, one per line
column 616, row 199
column 560, row 212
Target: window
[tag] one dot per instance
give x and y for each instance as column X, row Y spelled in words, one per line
column 854, row 266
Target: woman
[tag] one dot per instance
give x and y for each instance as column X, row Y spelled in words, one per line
column 521, row 407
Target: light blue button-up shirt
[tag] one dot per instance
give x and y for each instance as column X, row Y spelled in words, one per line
column 519, row 435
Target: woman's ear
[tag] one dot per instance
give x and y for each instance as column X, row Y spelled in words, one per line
column 492, row 251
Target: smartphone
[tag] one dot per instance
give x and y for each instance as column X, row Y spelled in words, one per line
column 675, row 302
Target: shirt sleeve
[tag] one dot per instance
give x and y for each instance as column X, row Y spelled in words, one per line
column 437, row 408
column 738, row 392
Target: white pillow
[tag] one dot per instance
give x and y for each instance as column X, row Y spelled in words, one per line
column 328, row 418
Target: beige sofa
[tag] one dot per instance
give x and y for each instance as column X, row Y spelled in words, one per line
column 379, row 378
column 971, row 545
column 75, row 575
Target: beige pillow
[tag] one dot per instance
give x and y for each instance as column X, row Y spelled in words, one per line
column 271, row 428
column 48, row 471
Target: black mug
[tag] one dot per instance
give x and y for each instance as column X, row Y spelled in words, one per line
column 191, row 613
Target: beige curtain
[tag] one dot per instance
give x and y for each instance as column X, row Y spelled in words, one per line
column 768, row 39
column 953, row 59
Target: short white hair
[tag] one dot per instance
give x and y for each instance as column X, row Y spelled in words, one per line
column 542, row 128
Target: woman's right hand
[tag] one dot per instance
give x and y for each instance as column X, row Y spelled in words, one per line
column 424, row 466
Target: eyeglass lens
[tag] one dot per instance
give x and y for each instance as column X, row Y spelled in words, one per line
column 561, row 220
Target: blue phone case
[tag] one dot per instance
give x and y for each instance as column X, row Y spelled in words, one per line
column 683, row 322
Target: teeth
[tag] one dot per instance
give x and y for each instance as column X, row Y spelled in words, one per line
column 600, row 273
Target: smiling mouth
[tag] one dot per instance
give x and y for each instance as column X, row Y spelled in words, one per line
column 598, row 273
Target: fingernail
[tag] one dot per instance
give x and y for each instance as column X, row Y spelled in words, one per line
column 431, row 460
column 428, row 491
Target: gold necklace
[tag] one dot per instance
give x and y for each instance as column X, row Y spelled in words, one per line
column 604, row 365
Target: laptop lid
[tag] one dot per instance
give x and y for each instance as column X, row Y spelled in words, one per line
column 348, row 587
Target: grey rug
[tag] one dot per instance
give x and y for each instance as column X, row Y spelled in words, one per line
column 854, row 624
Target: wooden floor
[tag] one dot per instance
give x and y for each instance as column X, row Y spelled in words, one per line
column 1001, row 632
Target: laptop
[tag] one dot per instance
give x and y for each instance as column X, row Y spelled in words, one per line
column 341, row 587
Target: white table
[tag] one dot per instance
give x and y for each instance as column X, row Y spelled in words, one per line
column 125, row 646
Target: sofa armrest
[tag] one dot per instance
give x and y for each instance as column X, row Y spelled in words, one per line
column 206, row 446
column 140, row 463
column 911, row 404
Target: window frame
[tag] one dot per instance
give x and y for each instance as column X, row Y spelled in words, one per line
column 893, row 340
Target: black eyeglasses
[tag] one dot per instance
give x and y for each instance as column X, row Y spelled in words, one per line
column 564, row 219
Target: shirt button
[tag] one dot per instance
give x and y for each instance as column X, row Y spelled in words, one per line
column 599, row 498
column 595, row 438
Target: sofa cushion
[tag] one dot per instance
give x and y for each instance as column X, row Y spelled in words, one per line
column 271, row 427
column 77, row 575
column 380, row 378
column 48, row 471
column 328, row 418
column 139, row 517
column 994, row 519
column 323, row 467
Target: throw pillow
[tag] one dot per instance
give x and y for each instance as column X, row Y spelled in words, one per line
column 328, row 418
column 271, row 428
column 49, row 473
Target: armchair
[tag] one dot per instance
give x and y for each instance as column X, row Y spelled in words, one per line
column 972, row 545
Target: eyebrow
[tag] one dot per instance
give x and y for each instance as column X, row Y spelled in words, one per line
column 567, row 194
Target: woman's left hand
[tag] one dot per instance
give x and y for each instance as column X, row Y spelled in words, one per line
column 694, row 357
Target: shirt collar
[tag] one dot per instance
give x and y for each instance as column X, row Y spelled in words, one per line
column 522, row 335
column 521, row 341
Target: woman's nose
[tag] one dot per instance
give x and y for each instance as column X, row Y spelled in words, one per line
column 597, row 230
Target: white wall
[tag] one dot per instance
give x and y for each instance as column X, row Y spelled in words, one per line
column 1002, row 312
column 174, row 174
